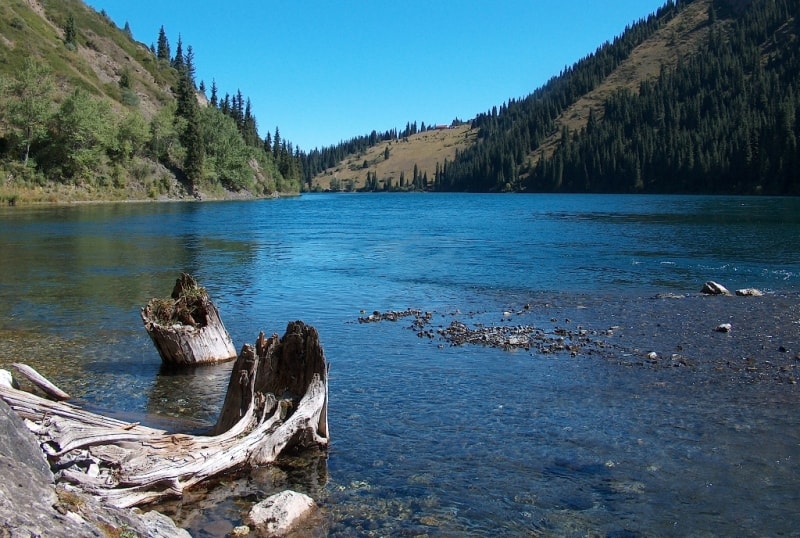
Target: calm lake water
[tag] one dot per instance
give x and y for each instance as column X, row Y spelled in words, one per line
column 427, row 438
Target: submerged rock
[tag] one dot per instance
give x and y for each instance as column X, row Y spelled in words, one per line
column 278, row 513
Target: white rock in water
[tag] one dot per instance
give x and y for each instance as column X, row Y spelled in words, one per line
column 712, row 288
column 6, row 379
column 749, row 292
column 280, row 512
column 724, row 328
column 652, row 356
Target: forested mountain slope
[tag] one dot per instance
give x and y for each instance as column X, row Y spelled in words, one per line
column 719, row 117
column 89, row 113
column 702, row 96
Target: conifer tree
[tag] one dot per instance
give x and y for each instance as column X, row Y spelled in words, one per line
column 70, row 33
column 188, row 109
column 213, row 99
column 250, row 129
column 188, row 61
column 276, row 144
column 162, row 49
column 178, row 60
column 268, row 144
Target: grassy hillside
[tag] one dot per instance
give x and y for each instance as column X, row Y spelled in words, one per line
column 680, row 38
column 35, row 29
column 423, row 150
column 88, row 113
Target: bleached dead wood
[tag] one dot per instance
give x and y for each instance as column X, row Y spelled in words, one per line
column 40, row 381
column 277, row 399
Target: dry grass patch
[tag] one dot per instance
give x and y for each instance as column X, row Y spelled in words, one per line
column 680, row 38
column 422, row 149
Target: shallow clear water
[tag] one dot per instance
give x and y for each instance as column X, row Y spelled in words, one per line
column 429, row 438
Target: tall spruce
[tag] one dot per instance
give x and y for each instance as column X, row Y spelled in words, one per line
column 178, row 60
column 213, row 99
column 162, row 46
column 191, row 137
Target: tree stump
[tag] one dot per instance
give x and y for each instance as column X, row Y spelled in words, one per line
column 277, row 400
column 186, row 328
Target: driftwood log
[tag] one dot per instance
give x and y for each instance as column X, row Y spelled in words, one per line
column 186, row 328
column 277, row 399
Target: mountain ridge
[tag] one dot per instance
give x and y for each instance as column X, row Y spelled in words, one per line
column 704, row 95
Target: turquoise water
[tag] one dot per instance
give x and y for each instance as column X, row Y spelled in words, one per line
column 429, row 438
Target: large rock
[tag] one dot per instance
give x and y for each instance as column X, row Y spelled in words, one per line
column 712, row 288
column 278, row 513
column 30, row 504
column 27, row 494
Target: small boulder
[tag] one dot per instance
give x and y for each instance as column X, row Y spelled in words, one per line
column 723, row 328
column 712, row 288
column 278, row 513
column 749, row 292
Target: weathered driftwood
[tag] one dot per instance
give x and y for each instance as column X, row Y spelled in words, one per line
column 277, row 399
column 186, row 329
column 40, row 381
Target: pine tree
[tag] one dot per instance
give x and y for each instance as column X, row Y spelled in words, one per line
column 188, row 109
column 178, row 60
column 162, row 50
column 213, row 99
column 188, row 61
column 276, row 144
column 250, row 130
column 70, row 33
column 268, row 144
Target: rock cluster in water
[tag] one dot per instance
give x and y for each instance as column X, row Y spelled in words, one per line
column 750, row 340
column 507, row 337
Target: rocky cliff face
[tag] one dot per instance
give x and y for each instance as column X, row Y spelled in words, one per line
column 31, row 504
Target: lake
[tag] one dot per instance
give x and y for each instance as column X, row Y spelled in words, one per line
column 440, row 440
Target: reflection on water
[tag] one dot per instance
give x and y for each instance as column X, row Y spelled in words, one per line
column 429, row 439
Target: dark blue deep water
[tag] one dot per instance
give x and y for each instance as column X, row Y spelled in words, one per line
column 428, row 438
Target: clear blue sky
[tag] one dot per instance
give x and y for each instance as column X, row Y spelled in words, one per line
column 325, row 71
